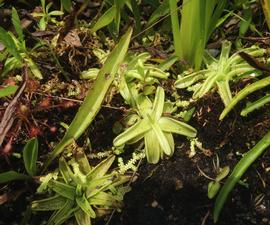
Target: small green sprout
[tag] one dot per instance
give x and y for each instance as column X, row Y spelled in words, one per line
column 15, row 47
column 214, row 186
column 46, row 16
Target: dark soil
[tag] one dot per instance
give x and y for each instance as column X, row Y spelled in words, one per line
column 174, row 192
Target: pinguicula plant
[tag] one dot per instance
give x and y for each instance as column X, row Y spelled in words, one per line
column 154, row 128
column 17, row 52
column 219, row 73
column 139, row 76
column 79, row 190
column 136, row 75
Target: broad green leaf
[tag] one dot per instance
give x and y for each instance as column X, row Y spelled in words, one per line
column 7, row 91
column 94, row 98
column 65, row 171
column 224, row 91
column 49, row 204
column 105, row 19
column 82, row 218
column 164, row 144
column 42, row 24
column 170, row 140
column 17, row 25
column 213, row 188
column 207, row 85
column 98, row 185
column 152, row 147
column 167, row 63
column 162, row 10
column 82, row 160
column 104, row 199
column 245, row 22
column 63, row 189
column 67, row 4
column 158, row 104
column 190, row 79
column 33, row 67
column 134, row 6
column 85, row 206
column 144, row 105
column 117, row 17
column 155, row 72
column 173, row 126
column 30, row 153
column 121, row 180
column 89, row 74
column 223, row 173
column 136, row 130
column 45, row 180
column 12, row 175
column 10, row 64
column 175, row 26
column 63, row 214
column 101, row 169
column 56, row 13
column 9, row 43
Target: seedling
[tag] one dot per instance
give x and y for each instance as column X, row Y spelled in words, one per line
column 214, row 186
column 46, row 16
column 16, row 47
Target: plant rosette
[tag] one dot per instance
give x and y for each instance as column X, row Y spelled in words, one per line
column 154, row 128
column 81, row 190
column 220, row 72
